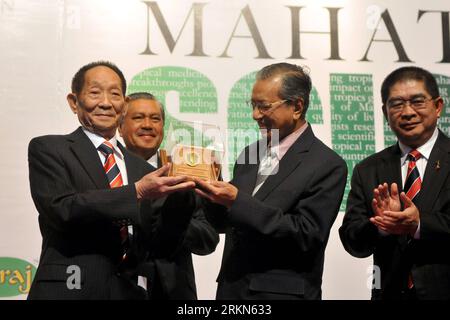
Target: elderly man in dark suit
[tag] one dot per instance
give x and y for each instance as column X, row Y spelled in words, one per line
column 142, row 129
column 95, row 201
column 278, row 210
column 398, row 208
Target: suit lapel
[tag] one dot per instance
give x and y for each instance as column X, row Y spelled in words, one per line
column 288, row 163
column 86, row 153
column 247, row 180
column 133, row 172
column 389, row 170
column 246, row 167
column 436, row 172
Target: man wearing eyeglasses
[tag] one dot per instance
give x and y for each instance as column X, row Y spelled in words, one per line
column 277, row 211
column 398, row 208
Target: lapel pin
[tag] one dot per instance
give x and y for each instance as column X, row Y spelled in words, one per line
column 438, row 165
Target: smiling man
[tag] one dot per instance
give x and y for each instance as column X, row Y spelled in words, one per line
column 142, row 129
column 97, row 213
column 398, row 208
column 277, row 213
column 142, row 125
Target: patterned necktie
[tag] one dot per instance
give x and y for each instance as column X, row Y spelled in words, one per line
column 412, row 187
column 110, row 165
column 413, row 182
column 115, row 180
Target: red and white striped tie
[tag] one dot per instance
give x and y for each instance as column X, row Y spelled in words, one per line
column 115, row 180
column 110, row 165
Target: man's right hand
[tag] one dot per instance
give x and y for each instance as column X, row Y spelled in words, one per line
column 156, row 185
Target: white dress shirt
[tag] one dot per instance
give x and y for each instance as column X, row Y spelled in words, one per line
column 153, row 160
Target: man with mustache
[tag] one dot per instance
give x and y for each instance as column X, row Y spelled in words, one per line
column 277, row 211
column 398, row 208
column 96, row 201
column 142, row 129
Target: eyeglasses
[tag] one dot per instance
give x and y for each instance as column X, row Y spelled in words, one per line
column 265, row 107
column 417, row 103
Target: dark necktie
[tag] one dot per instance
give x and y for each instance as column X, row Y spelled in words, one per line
column 413, row 182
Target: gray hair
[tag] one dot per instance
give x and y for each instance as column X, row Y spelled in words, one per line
column 296, row 82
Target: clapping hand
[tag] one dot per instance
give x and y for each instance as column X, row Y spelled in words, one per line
column 388, row 216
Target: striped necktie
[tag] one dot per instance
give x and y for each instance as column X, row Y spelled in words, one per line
column 413, row 182
column 115, row 180
column 110, row 165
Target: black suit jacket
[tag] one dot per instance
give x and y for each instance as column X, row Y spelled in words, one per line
column 173, row 277
column 427, row 258
column 78, row 216
column 276, row 239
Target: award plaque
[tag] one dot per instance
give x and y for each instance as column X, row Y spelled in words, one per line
column 192, row 161
column 194, row 149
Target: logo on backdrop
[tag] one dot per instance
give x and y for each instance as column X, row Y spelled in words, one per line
column 16, row 276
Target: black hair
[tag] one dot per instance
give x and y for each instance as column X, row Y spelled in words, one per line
column 409, row 73
column 78, row 78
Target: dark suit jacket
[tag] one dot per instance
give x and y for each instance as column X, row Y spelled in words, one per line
column 275, row 240
column 427, row 258
column 78, row 215
column 173, row 277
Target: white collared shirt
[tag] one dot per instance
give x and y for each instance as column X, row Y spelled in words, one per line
column 153, row 160
column 118, row 156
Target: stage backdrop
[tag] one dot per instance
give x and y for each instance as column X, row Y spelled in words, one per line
column 199, row 58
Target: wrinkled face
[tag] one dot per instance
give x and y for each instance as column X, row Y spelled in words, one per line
column 284, row 116
column 142, row 128
column 100, row 102
column 411, row 112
